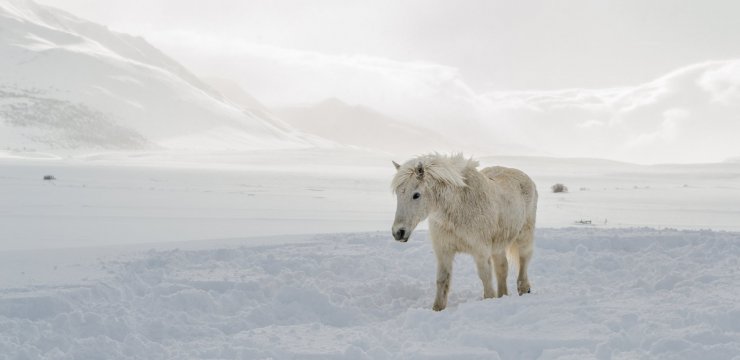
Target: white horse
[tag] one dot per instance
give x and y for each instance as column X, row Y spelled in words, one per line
column 483, row 213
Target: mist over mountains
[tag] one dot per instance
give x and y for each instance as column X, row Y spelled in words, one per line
column 685, row 115
column 70, row 84
column 688, row 115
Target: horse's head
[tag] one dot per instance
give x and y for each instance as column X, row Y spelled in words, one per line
column 421, row 184
column 412, row 194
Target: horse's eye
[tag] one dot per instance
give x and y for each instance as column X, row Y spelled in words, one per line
column 416, row 196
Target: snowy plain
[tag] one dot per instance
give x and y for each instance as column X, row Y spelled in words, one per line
column 287, row 254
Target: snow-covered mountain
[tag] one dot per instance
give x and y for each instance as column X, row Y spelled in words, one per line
column 237, row 95
column 66, row 83
column 362, row 126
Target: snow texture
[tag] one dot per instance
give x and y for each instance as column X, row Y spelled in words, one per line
column 608, row 294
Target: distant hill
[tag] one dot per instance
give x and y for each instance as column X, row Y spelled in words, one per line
column 364, row 127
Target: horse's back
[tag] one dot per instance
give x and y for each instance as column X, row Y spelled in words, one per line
column 507, row 175
column 499, row 172
column 516, row 181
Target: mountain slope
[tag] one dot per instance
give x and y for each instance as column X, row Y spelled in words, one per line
column 361, row 126
column 234, row 93
column 66, row 83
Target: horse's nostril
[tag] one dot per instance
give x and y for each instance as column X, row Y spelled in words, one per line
column 401, row 233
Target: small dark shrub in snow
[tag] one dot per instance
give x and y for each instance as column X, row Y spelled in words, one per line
column 49, row 177
column 559, row 188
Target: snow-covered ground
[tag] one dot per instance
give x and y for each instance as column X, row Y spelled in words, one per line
column 598, row 293
column 160, row 197
column 288, row 255
column 97, row 203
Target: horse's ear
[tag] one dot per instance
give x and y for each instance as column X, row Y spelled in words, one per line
column 396, row 165
column 419, row 171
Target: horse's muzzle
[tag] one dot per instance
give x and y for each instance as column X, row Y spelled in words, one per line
column 401, row 235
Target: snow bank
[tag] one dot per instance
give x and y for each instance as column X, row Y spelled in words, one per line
column 619, row 293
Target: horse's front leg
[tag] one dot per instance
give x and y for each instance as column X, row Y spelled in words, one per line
column 444, row 272
column 484, row 272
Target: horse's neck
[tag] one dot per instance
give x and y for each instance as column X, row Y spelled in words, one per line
column 454, row 205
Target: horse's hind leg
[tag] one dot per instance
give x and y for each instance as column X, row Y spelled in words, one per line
column 484, row 272
column 502, row 270
column 525, row 248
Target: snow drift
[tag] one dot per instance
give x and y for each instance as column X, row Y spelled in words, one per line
column 620, row 293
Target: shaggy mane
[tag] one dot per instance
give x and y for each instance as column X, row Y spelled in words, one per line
column 444, row 169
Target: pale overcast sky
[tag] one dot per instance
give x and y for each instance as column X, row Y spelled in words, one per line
column 629, row 80
column 496, row 45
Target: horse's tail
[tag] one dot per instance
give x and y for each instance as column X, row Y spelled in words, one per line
column 512, row 256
